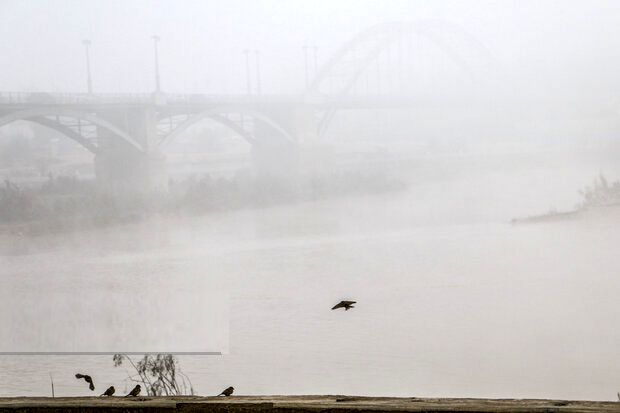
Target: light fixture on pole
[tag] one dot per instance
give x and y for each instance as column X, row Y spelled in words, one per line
column 315, row 52
column 89, row 81
column 156, row 40
column 248, row 78
column 257, row 56
column 306, row 75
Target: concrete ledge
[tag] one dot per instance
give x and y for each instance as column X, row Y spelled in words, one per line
column 295, row 404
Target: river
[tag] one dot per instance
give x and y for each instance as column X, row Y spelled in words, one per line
column 453, row 300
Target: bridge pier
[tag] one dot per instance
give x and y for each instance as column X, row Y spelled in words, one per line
column 120, row 166
column 131, row 171
column 301, row 163
column 276, row 162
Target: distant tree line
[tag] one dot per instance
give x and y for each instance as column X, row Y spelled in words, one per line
column 63, row 203
column 601, row 193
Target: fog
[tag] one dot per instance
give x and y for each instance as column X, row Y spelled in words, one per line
column 452, row 166
column 551, row 45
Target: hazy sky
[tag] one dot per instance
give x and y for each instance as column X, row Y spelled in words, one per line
column 571, row 43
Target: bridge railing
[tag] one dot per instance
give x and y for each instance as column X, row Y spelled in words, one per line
column 26, row 98
column 23, row 99
column 72, row 98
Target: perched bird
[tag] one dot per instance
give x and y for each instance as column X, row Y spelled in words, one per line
column 344, row 304
column 88, row 380
column 135, row 391
column 228, row 391
column 109, row 392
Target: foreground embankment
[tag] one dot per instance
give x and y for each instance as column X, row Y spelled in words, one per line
column 295, row 404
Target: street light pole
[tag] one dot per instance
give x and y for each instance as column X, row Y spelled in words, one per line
column 248, row 78
column 257, row 55
column 89, row 81
column 306, row 77
column 157, row 83
column 315, row 51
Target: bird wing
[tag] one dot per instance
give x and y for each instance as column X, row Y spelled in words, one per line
column 339, row 305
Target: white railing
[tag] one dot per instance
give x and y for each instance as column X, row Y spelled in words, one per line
column 25, row 98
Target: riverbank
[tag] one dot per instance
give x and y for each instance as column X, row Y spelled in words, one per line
column 598, row 211
column 67, row 205
column 297, row 404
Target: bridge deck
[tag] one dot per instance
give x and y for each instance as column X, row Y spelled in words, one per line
column 86, row 101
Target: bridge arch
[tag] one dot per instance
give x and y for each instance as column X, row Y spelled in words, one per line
column 42, row 116
column 353, row 58
column 219, row 115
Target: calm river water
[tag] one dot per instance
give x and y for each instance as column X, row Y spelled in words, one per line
column 453, row 300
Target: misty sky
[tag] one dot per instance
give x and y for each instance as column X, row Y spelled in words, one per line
column 568, row 44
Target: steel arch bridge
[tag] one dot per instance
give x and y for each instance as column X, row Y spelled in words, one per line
column 339, row 74
column 242, row 121
column 133, row 126
column 83, row 118
column 76, row 124
column 91, row 125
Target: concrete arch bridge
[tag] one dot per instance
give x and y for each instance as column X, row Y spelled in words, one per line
column 125, row 132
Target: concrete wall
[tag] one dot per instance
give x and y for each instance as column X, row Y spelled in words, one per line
column 297, row 404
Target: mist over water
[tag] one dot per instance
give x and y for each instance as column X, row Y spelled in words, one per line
column 370, row 151
column 449, row 304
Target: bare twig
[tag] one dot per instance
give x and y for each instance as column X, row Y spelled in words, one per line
column 52, row 382
column 159, row 374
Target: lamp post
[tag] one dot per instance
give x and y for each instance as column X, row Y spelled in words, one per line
column 306, row 76
column 315, row 52
column 156, row 40
column 257, row 56
column 89, row 81
column 248, row 78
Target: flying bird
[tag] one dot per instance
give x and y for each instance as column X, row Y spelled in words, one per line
column 228, row 391
column 109, row 392
column 88, row 380
column 344, row 304
column 135, row 391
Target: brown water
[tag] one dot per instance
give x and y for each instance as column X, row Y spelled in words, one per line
column 452, row 299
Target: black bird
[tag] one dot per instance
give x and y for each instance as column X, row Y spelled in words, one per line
column 135, row 391
column 228, row 391
column 88, row 380
column 344, row 304
column 109, row 392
